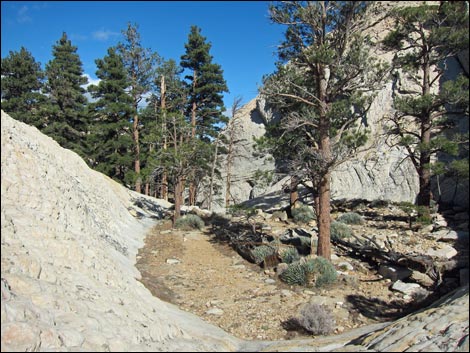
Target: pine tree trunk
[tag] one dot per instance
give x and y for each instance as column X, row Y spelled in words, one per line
column 164, row 187
column 178, row 198
column 192, row 193
column 294, row 193
column 424, row 172
column 147, row 189
column 138, row 181
column 324, row 246
column 211, row 185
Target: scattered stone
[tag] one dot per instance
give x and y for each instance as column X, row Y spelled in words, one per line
column 270, row 281
column 422, row 279
column 238, row 267
column 406, row 288
column 394, row 272
column 446, row 251
column 172, row 261
column 345, row 266
column 215, row 311
column 286, row 293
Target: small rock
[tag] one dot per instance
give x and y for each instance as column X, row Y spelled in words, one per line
column 172, row 261
column 215, row 311
column 270, row 281
column 346, row 266
column 394, row 272
column 446, row 251
column 286, row 293
column 406, row 288
column 238, row 267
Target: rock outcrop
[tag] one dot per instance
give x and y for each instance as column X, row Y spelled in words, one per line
column 69, row 240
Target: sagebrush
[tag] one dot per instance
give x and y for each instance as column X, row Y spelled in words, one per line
column 316, row 319
column 339, row 230
column 189, row 221
column 350, row 218
column 303, row 214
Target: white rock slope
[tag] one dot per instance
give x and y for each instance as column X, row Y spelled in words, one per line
column 68, row 250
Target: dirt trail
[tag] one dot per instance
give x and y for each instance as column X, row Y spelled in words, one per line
column 209, row 279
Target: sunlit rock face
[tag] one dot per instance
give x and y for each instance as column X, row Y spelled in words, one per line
column 69, row 241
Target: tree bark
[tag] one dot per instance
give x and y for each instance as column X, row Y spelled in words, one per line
column 164, row 185
column 138, row 181
column 178, row 198
column 424, row 171
column 294, row 193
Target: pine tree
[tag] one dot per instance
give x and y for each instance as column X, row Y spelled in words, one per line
column 425, row 38
column 22, row 82
column 166, row 101
column 66, row 118
column 140, row 64
column 206, row 86
column 322, row 88
column 110, row 139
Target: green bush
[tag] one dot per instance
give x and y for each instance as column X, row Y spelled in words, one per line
column 241, row 210
column 295, row 274
column 302, row 214
column 289, row 255
column 325, row 272
column 339, row 230
column 189, row 221
column 351, row 218
column 261, row 252
column 300, row 271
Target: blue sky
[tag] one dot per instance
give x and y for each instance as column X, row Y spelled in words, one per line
column 243, row 39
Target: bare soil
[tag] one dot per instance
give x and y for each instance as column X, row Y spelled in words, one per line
column 201, row 274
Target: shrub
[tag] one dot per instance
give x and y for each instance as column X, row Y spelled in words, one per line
column 301, row 271
column 261, row 252
column 325, row 272
column 302, row 214
column 295, row 274
column 241, row 210
column 289, row 255
column 351, row 218
column 189, row 221
column 316, row 319
column 339, row 230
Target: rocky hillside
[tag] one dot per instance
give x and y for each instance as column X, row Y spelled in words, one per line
column 69, row 240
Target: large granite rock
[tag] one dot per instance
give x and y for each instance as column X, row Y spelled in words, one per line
column 69, row 241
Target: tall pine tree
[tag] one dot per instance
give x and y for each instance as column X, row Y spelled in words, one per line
column 110, row 139
column 22, row 82
column 140, row 64
column 322, row 86
column 425, row 38
column 206, row 85
column 66, row 115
